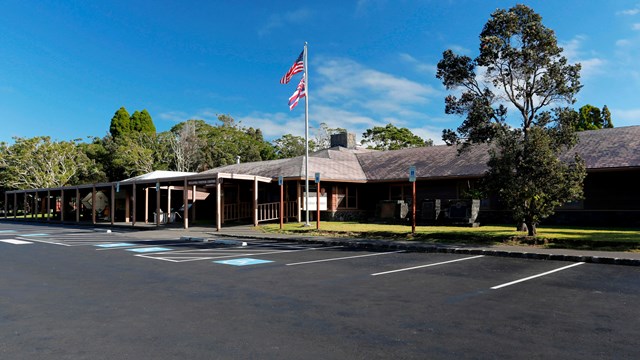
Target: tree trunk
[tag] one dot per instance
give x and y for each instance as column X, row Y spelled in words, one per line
column 531, row 227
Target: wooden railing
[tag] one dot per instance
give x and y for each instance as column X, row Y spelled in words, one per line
column 237, row 211
column 271, row 211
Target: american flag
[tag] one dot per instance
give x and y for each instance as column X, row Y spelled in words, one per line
column 297, row 67
column 297, row 95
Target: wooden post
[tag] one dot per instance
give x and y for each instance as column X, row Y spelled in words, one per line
column 299, row 200
column 15, row 205
column 281, row 203
column 146, row 205
column 413, row 210
column 157, row 202
column 168, row 203
column 93, row 204
column 24, row 209
column 48, row 205
column 134, row 204
column 255, row 201
column 77, row 205
column 193, row 205
column 185, row 201
column 127, row 206
column 218, row 204
column 112, row 205
column 318, row 205
column 62, row 205
column 6, row 206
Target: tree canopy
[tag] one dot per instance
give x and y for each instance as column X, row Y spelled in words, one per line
column 592, row 118
column 520, row 65
column 120, row 123
column 391, row 137
column 34, row 163
column 123, row 124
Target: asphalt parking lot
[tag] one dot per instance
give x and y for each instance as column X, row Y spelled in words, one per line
column 75, row 293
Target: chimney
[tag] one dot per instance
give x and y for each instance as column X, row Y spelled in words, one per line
column 346, row 140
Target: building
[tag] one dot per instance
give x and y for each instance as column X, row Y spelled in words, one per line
column 355, row 184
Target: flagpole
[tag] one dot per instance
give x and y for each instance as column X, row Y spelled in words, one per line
column 306, row 136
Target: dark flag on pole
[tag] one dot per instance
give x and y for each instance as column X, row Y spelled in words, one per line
column 297, row 67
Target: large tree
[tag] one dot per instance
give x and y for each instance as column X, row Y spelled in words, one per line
column 141, row 122
column 592, row 118
column 120, row 123
column 520, row 64
column 289, row 146
column 391, row 137
column 35, row 163
column 187, row 144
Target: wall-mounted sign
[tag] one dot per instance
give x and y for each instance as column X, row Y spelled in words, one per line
column 202, row 182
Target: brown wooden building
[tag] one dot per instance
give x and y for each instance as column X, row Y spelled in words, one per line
column 355, row 183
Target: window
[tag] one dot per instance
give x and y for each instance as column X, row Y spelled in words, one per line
column 347, row 196
column 401, row 192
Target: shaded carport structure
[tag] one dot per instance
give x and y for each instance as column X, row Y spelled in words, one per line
column 147, row 199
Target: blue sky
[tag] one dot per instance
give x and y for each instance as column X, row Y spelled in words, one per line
column 67, row 66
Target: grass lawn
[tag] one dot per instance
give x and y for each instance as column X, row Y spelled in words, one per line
column 550, row 237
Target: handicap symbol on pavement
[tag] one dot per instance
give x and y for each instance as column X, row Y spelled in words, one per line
column 243, row 262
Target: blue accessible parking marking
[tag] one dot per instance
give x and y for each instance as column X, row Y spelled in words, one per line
column 151, row 249
column 243, row 262
column 7, row 231
column 115, row 245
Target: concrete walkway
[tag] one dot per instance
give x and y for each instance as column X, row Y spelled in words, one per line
column 530, row 252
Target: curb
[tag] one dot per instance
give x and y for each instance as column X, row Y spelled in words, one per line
column 391, row 245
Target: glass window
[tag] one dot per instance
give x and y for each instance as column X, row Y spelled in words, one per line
column 347, row 196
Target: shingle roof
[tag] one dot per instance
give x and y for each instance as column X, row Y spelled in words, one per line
column 601, row 149
column 610, row 148
column 430, row 162
column 333, row 164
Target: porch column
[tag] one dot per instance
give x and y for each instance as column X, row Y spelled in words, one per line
column 112, row 206
column 48, row 205
column 168, row 203
column 193, row 205
column 6, row 206
column 62, row 205
column 35, row 206
column 15, row 205
column 146, row 205
column 218, row 203
column 77, row 205
column 135, row 205
column 127, row 206
column 24, row 211
column 255, row 201
column 299, row 200
column 185, row 202
column 93, row 204
column 157, row 202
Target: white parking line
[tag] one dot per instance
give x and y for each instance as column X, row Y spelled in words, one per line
column 428, row 265
column 170, row 256
column 45, row 242
column 343, row 258
column 536, row 276
column 16, row 242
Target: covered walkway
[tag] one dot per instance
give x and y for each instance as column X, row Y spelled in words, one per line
column 154, row 199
